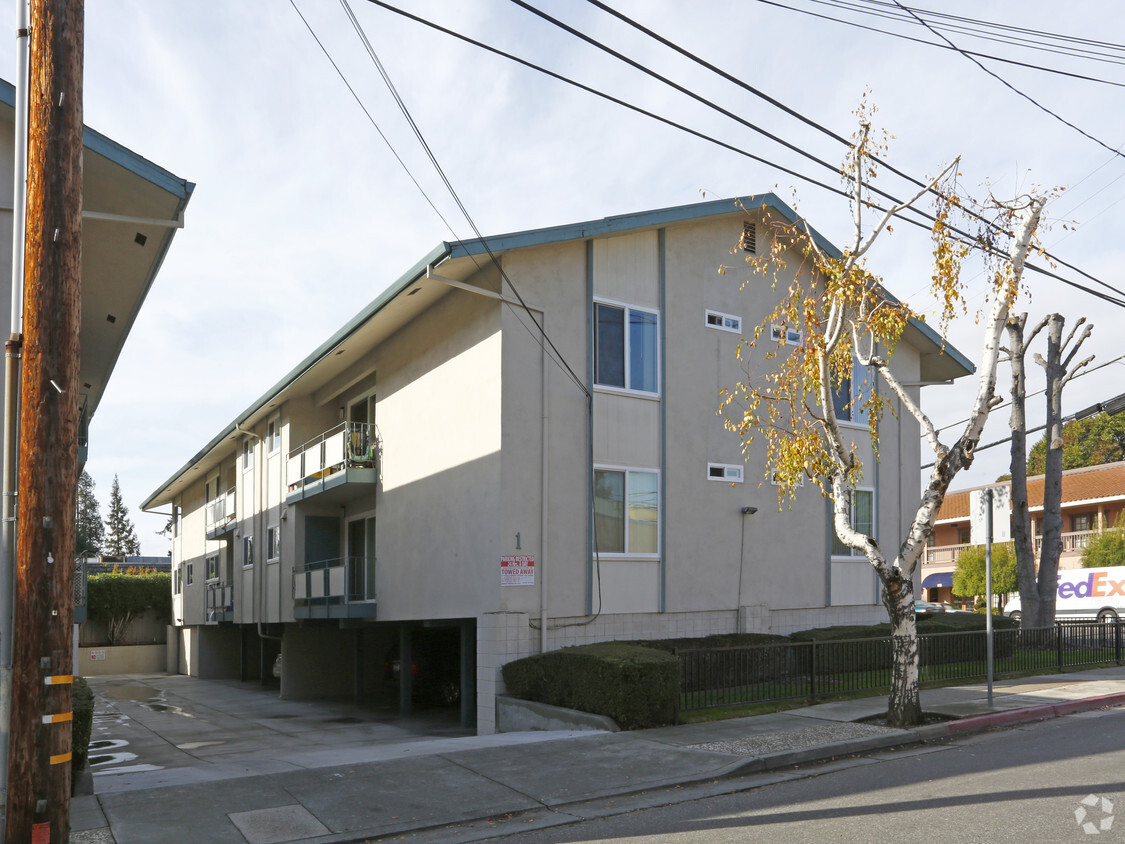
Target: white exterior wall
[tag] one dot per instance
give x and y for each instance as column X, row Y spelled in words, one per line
column 459, row 408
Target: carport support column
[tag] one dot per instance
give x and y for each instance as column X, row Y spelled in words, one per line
column 405, row 675
column 357, row 669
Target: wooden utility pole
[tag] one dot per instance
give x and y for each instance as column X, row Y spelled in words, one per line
column 39, row 754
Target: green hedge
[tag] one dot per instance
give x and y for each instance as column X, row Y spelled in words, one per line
column 82, row 704
column 117, row 598
column 635, row 686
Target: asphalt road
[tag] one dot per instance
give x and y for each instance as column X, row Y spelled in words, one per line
column 1021, row 784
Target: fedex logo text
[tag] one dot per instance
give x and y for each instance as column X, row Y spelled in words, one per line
column 1097, row 585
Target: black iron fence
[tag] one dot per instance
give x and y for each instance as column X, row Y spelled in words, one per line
column 715, row 677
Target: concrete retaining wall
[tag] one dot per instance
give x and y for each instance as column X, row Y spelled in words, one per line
column 516, row 716
column 122, row 659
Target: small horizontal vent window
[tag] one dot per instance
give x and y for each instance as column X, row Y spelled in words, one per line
column 724, row 322
column 729, row 472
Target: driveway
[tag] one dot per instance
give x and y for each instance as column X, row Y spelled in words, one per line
column 152, row 731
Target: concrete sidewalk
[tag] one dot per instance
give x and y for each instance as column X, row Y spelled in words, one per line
column 464, row 787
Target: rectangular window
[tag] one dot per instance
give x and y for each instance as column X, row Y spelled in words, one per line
column 776, row 480
column 273, row 436
column 863, row 520
column 273, row 551
column 626, row 511
column 213, row 567
column 177, row 520
column 729, row 472
column 851, row 396
column 178, row 581
column 190, row 577
column 792, row 336
column 1083, row 521
column 247, row 454
column 625, row 348
column 724, row 322
column 964, row 534
column 247, row 550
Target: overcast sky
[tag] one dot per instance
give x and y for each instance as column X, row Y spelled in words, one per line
column 302, row 215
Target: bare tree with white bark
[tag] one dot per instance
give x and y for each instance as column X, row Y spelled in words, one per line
column 846, row 317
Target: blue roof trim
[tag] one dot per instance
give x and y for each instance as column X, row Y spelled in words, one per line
column 439, row 253
column 627, row 222
column 95, row 141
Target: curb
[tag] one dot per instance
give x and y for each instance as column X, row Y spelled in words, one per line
column 1033, row 713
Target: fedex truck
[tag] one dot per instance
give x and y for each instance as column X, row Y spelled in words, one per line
column 1085, row 593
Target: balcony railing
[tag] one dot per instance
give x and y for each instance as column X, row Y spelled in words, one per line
column 344, row 454
column 943, row 554
column 220, row 601
column 1072, row 542
column 220, row 513
column 336, row 588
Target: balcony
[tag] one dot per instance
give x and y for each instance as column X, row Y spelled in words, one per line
column 943, row 554
column 220, row 514
column 220, row 602
column 1072, row 543
column 333, row 589
column 336, row 467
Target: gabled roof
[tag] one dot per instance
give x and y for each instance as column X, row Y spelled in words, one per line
column 1086, row 484
column 950, row 363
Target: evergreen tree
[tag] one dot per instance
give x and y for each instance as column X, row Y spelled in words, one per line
column 121, row 535
column 1086, row 442
column 89, row 530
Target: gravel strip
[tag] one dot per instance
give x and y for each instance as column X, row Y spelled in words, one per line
column 764, row 743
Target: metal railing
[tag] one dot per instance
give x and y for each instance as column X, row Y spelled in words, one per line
column 943, row 554
column 348, row 445
column 220, row 598
column 1072, row 541
column 342, row 580
column 221, row 511
column 717, row 677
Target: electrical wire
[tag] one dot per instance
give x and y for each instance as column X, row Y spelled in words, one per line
column 453, row 193
column 992, row 30
column 966, row 238
column 1012, row 87
column 988, row 56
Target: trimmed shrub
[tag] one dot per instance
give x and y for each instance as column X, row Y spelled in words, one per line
column 82, row 705
column 635, row 686
column 1104, row 549
column 117, row 598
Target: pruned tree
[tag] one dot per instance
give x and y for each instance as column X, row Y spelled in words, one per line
column 846, row 317
column 1041, row 593
column 89, row 530
column 121, row 535
column 1018, row 345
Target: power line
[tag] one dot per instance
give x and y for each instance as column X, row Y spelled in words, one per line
column 989, row 56
column 559, row 359
column 729, row 77
column 983, row 26
column 1012, row 87
column 731, row 148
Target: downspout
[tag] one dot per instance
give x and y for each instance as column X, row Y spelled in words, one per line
column 12, row 348
column 543, row 458
column 662, row 385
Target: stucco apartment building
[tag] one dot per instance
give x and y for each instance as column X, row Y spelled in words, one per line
column 1093, row 498
column 437, row 468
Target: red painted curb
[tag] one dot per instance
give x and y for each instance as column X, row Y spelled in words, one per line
column 1034, row 713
